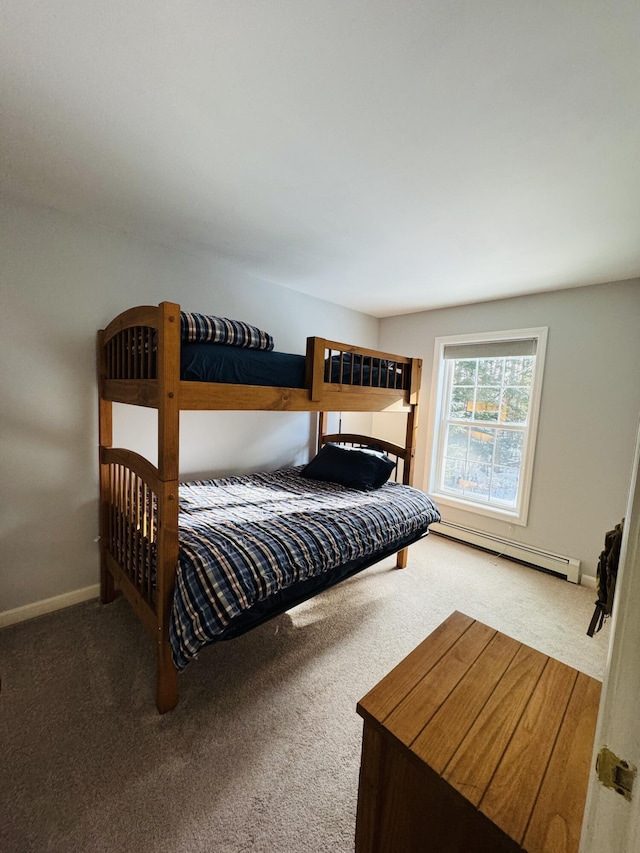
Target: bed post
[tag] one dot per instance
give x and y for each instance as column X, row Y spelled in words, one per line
column 168, row 468
column 410, row 439
column 105, row 439
column 314, row 368
column 322, row 429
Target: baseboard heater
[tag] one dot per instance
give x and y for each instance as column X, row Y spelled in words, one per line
column 569, row 567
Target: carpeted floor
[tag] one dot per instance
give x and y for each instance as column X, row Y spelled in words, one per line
column 262, row 753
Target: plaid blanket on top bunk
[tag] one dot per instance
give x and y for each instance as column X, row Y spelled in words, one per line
column 244, row 538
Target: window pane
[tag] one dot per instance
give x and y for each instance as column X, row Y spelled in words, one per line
column 453, row 475
column 508, row 449
column 518, row 371
column 481, row 442
column 515, row 406
column 478, row 478
column 464, row 371
column 490, row 371
column 457, row 442
column 461, row 402
column 487, row 404
column 504, row 485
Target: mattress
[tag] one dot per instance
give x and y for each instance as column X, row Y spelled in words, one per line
column 206, row 362
column 246, row 540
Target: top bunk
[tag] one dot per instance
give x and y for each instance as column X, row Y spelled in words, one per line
column 157, row 355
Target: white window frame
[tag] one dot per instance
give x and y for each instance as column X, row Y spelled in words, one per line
column 439, row 391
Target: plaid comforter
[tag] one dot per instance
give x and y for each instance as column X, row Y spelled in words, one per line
column 244, row 538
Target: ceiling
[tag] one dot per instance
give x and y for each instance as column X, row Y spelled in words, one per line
column 385, row 155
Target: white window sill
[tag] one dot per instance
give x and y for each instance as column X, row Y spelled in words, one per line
column 512, row 516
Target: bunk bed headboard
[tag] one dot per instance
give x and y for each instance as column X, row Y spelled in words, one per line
column 355, row 440
column 130, row 342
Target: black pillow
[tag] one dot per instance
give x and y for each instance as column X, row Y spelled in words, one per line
column 355, row 468
column 384, row 465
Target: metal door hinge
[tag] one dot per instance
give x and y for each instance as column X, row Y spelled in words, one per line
column 615, row 772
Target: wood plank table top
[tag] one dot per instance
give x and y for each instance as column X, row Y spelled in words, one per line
column 507, row 727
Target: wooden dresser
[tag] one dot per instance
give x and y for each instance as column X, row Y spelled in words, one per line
column 475, row 743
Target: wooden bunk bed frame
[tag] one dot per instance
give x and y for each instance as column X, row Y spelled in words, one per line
column 139, row 364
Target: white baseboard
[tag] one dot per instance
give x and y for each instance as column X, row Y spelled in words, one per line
column 48, row 605
column 77, row 596
column 567, row 566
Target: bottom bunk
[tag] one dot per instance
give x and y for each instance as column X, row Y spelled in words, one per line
column 302, row 591
column 249, row 547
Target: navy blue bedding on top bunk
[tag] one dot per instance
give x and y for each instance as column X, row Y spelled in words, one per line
column 219, row 363
column 206, row 362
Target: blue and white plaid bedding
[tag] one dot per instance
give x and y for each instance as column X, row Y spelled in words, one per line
column 204, row 328
column 244, row 538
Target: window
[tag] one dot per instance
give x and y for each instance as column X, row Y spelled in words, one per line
column 486, row 411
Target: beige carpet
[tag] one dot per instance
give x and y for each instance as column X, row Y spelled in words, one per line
column 262, row 753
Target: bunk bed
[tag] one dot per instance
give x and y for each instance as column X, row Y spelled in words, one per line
column 151, row 552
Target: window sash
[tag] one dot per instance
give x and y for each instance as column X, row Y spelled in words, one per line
column 492, row 468
column 504, row 391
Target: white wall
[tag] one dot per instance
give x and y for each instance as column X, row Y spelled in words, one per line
column 589, row 414
column 62, row 280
